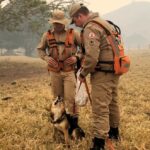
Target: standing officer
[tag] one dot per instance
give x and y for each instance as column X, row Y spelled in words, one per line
column 104, row 83
column 58, row 47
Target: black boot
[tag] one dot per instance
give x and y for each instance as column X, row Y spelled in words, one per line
column 73, row 121
column 114, row 133
column 98, row 144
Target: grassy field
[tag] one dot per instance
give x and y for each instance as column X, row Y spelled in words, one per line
column 25, row 92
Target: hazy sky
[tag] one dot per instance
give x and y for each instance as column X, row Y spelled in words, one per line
column 105, row 6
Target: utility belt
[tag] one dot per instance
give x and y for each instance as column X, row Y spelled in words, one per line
column 105, row 66
column 61, row 67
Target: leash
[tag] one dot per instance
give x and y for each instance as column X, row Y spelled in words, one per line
column 87, row 88
column 79, row 87
column 108, row 141
column 88, row 91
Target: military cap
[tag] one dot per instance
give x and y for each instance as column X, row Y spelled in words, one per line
column 74, row 8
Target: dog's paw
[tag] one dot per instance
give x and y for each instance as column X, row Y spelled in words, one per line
column 78, row 134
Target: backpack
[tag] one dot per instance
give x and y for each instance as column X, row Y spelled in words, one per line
column 121, row 62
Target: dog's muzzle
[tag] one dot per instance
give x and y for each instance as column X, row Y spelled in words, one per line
column 58, row 99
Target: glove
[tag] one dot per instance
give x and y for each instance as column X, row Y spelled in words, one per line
column 52, row 62
column 71, row 60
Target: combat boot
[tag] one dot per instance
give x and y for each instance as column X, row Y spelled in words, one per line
column 114, row 134
column 98, row 144
column 73, row 120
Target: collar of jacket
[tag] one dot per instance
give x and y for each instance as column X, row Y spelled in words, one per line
column 91, row 17
column 96, row 17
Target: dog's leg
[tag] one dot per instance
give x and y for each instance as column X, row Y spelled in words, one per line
column 54, row 133
column 66, row 135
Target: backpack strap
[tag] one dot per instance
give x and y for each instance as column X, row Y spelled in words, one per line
column 121, row 63
column 99, row 24
column 118, row 30
column 68, row 42
column 51, row 39
column 109, row 34
column 69, row 38
column 112, row 39
column 52, row 42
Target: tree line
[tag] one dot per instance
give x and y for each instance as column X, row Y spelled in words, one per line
column 23, row 22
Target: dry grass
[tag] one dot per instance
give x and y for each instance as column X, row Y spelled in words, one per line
column 24, row 120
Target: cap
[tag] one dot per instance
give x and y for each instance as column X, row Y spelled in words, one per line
column 74, row 8
column 58, row 16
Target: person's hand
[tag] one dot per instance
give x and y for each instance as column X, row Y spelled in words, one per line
column 81, row 78
column 52, row 62
column 70, row 61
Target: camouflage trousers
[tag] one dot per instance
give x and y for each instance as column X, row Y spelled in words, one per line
column 64, row 84
column 105, row 110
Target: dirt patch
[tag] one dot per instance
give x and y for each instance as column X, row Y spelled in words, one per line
column 13, row 68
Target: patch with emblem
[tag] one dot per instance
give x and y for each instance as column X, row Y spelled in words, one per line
column 91, row 35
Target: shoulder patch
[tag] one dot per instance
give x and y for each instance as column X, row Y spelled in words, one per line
column 91, row 35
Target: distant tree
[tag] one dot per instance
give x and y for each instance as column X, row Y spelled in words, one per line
column 26, row 20
column 33, row 13
column 19, row 13
column 61, row 4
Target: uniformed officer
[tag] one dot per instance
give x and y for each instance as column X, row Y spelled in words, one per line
column 104, row 83
column 58, row 47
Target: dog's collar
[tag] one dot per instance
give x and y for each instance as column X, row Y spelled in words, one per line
column 59, row 120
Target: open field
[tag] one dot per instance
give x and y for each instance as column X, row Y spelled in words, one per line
column 25, row 92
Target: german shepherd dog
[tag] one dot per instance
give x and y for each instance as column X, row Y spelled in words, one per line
column 64, row 122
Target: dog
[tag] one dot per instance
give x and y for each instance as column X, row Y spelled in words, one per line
column 64, row 122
